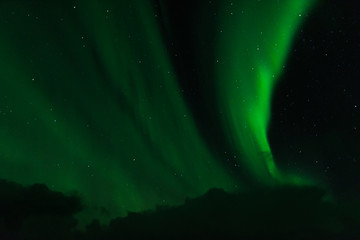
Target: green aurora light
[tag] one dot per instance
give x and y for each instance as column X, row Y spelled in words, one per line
column 90, row 100
column 252, row 50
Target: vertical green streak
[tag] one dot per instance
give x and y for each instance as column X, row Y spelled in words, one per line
column 253, row 41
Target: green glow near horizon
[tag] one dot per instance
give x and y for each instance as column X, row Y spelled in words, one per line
column 90, row 101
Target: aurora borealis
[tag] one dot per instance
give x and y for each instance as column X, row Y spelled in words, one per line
column 251, row 59
column 91, row 101
column 133, row 104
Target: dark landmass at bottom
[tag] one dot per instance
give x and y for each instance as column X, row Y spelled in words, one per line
column 289, row 212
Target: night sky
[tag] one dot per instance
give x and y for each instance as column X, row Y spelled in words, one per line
column 315, row 109
column 133, row 104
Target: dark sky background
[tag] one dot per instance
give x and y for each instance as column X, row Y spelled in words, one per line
column 315, row 113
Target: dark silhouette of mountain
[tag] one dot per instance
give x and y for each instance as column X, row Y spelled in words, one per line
column 283, row 213
column 35, row 212
column 287, row 212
